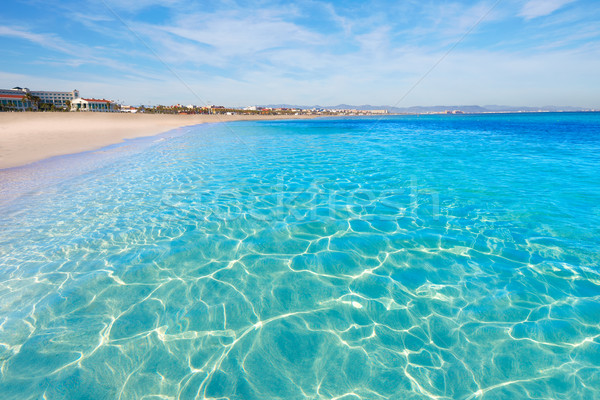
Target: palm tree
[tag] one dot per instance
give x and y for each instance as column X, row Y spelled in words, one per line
column 34, row 100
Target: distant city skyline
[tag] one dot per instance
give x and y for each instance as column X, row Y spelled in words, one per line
column 409, row 53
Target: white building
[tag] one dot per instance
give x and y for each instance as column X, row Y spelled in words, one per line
column 14, row 102
column 128, row 109
column 58, row 99
column 94, row 105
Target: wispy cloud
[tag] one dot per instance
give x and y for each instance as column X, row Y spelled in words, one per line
column 74, row 55
column 51, row 41
column 539, row 8
column 134, row 6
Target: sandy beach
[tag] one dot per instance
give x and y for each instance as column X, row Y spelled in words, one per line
column 27, row 137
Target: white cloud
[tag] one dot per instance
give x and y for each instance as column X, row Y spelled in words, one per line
column 539, row 8
column 45, row 40
column 234, row 34
column 465, row 77
column 78, row 55
column 138, row 5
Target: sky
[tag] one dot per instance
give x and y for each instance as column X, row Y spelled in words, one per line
column 380, row 52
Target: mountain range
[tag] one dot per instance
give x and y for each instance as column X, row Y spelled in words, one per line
column 430, row 109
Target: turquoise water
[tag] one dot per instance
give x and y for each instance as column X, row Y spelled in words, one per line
column 449, row 257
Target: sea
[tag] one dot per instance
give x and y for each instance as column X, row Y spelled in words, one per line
column 395, row 257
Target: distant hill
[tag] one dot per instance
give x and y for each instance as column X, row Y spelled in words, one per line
column 429, row 109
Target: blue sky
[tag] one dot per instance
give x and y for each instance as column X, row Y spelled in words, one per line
column 381, row 52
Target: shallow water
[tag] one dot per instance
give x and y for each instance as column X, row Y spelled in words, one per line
column 403, row 258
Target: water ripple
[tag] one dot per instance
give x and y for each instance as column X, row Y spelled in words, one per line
column 442, row 257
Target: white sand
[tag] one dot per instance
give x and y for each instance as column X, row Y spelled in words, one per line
column 26, row 137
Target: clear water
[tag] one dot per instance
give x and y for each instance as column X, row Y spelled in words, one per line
column 451, row 257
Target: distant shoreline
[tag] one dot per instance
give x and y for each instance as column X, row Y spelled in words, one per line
column 27, row 137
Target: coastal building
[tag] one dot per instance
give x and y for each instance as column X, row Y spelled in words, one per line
column 14, row 102
column 378, row 111
column 58, row 99
column 129, row 109
column 94, row 105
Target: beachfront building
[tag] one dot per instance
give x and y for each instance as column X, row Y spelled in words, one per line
column 129, row 109
column 58, row 99
column 94, row 105
column 14, row 102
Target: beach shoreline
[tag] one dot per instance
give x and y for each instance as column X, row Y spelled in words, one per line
column 27, row 137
